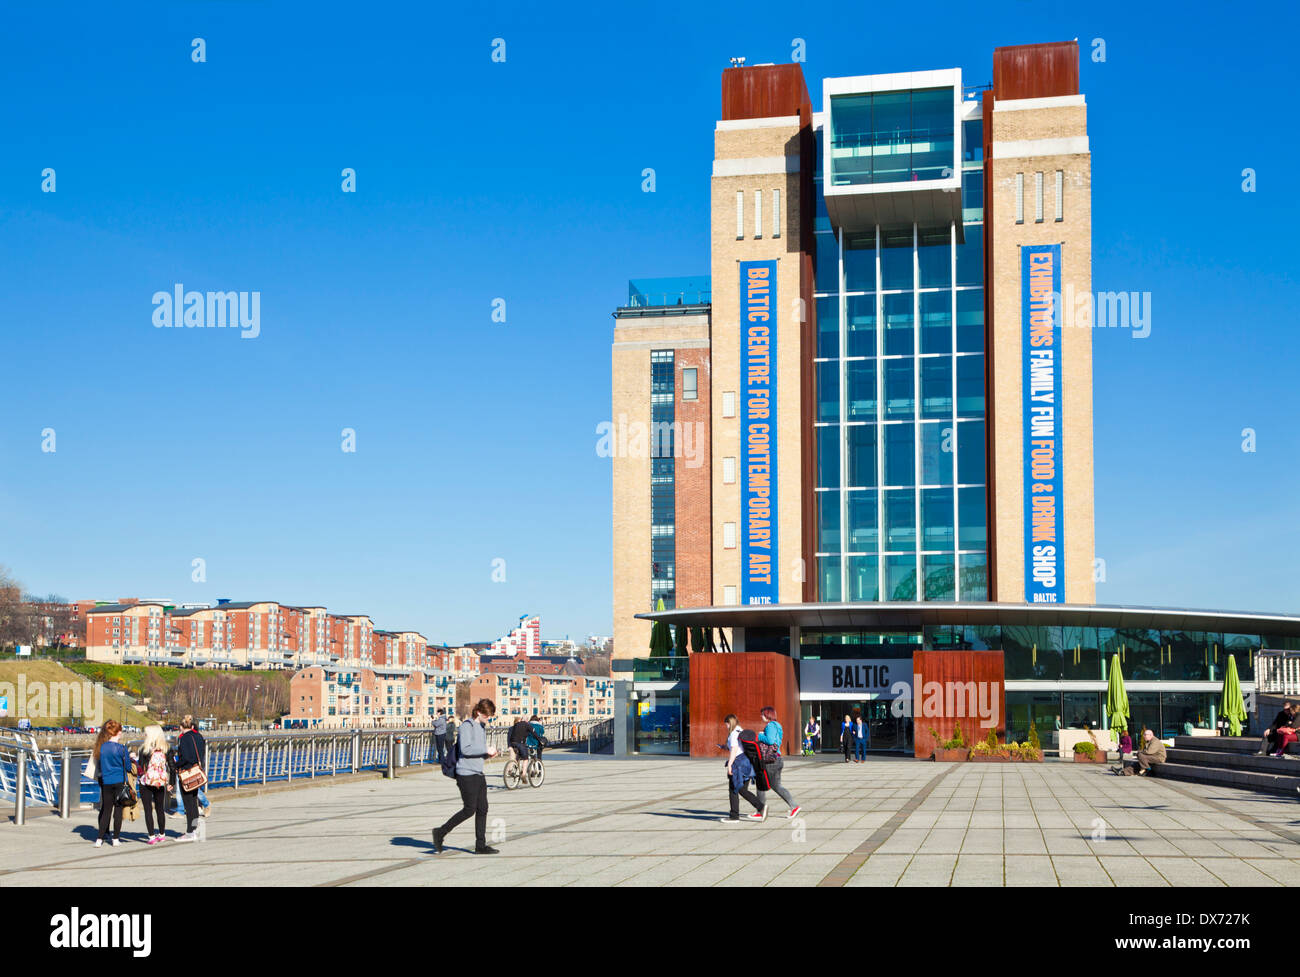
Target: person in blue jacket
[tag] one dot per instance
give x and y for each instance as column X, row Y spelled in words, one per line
column 770, row 740
column 859, row 740
column 111, row 763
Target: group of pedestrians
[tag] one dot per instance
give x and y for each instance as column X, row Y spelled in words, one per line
column 765, row 751
column 168, row 778
column 854, row 735
column 1282, row 733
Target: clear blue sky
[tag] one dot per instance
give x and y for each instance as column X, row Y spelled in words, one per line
column 522, row 180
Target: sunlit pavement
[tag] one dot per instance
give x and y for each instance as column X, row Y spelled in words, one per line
column 654, row 821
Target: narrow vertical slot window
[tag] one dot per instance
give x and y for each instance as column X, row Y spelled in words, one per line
column 1060, row 195
column 740, row 214
column 758, row 213
column 1038, row 198
column 776, row 213
column 1020, row 199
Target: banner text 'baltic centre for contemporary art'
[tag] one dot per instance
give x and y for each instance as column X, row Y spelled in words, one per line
column 1041, row 387
column 758, row 536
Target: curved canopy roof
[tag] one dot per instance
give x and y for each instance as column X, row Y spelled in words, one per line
column 913, row 614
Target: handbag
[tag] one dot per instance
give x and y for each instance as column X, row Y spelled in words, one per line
column 193, row 778
column 124, row 796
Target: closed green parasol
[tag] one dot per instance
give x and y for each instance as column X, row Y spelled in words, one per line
column 1116, row 698
column 1231, row 705
column 660, row 639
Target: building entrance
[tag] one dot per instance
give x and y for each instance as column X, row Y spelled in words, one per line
column 886, row 733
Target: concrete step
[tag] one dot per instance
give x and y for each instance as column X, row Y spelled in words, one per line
column 1224, row 777
column 1235, row 761
column 1224, row 744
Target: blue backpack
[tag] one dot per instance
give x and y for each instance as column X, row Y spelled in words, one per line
column 449, row 760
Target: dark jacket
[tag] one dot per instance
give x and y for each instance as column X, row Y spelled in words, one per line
column 1282, row 720
column 190, row 749
column 520, row 732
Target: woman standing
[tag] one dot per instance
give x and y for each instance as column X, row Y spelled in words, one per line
column 111, row 760
column 846, row 737
column 154, row 771
column 769, row 742
column 190, row 753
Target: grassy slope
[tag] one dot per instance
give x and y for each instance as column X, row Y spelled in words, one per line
column 50, row 672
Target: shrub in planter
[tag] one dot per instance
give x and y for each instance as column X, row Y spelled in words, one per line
column 953, row 750
column 1030, row 753
column 1088, row 753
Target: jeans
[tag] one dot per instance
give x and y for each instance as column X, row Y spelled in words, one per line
column 441, row 740
column 154, row 800
column 774, row 775
column 190, row 798
column 109, row 811
column 860, row 746
column 474, row 801
column 735, row 796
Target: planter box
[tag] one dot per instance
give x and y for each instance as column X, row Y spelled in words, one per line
column 1099, row 757
column 952, row 756
column 1034, row 759
column 991, row 758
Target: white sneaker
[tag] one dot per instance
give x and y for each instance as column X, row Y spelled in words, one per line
column 99, row 842
column 188, row 836
column 117, row 843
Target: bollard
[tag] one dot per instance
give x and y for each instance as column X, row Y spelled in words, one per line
column 266, row 745
column 356, row 751
column 236, row 764
column 334, row 756
column 314, row 747
column 391, row 772
column 65, row 784
column 20, row 798
column 288, row 759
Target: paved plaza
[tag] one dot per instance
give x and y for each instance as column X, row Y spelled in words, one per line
column 653, row 821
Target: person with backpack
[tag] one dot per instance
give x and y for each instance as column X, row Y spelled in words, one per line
column 154, row 771
column 769, row 743
column 739, row 772
column 538, row 738
column 471, row 751
column 111, row 760
column 440, row 734
column 190, row 754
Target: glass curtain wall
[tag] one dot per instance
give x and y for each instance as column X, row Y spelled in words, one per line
column 663, row 495
column 901, row 406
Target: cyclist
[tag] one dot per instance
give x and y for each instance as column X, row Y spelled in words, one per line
column 520, row 733
column 538, row 739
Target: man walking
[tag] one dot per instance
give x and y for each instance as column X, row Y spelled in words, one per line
column 470, row 779
column 440, row 734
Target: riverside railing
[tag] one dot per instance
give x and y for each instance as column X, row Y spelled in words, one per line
column 32, row 777
column 1277, row 672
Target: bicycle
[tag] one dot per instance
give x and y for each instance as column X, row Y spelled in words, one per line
column 534, row 772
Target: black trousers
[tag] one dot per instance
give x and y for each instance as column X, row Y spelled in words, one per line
column 736, row 795
column 473, row 797
column 441, row 740
column 108, row 809
column 154, row 800
column 190, row 798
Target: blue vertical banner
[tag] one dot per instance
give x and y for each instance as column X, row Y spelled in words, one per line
column 758, row 512
column 1040, row 330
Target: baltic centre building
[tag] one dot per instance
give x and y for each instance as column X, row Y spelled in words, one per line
column 867, row 432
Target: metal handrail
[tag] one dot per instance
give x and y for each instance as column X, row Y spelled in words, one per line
column 239, row 760
column 1277, row 672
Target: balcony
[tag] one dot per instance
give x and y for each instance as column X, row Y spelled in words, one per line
column 651, row 293
column 892, row 149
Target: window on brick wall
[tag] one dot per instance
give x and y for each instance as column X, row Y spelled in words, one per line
column 690, row 380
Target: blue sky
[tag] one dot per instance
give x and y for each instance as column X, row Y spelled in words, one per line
column 475, row 440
